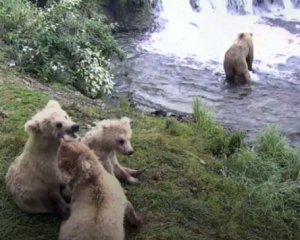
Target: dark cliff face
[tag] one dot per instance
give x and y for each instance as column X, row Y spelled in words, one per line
column 43, row 3
column 132, row 15
column 39, row 3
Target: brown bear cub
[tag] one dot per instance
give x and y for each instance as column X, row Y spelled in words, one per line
column 98, row 203
column 239, row 58
column 106, row 139
column 33, row 178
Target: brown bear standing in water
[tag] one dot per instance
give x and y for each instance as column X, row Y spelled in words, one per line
column 239, row 58
column 98, row 205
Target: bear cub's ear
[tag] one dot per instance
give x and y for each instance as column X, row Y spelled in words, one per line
column 125, row 120
column 53, row 104
column 84, row 163
column 32, row 126
column 240, row 35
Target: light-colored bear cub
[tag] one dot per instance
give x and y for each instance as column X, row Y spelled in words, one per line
column 106, row 139
column 33, row 178
column 98, row 202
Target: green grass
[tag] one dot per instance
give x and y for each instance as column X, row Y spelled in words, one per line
column 201, row 181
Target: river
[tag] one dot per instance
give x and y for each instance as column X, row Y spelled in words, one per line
column 183, row 59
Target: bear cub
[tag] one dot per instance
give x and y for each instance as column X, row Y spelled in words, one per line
column 33, row 178
column 98, row 204
column 106, row 139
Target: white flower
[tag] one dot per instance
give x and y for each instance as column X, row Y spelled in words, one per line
column 54, row 68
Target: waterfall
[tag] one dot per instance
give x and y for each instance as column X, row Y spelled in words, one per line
column 218, row 6
column 205, row 35
column 242, row 6
column 288, row 4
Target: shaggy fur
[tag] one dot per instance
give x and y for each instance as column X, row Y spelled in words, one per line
column 106, row 139
column 98, row 202
column 239, row 58
column 33, row 178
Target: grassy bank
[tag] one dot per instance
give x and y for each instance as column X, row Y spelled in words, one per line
column 201, row 181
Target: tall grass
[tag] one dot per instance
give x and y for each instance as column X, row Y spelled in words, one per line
column 268, row 173
column 218, row 140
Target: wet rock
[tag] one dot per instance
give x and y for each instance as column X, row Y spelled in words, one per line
column 195, row 5
column 290, row 26
column 132, row 15
column 159, row 113
column 156, row 4
column 296, row 3
column 236, row 6
column 44, row 3
column 266, row 5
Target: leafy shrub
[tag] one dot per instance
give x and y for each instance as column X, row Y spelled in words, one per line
column 60, row 43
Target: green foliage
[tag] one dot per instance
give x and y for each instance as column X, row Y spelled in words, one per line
column 269, row 172
column 60, row 43
column 218, row 140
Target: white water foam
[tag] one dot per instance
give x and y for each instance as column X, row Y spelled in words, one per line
column 206, row 35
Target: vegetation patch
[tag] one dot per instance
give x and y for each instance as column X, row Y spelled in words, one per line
column 192, row 188
column 65, row 43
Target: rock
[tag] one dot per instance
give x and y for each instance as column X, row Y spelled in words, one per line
column 195, row 5
column 159, row 113
column 11, row 64
column 267, row 4
column 2, row 116
column 157, row 177
column 156, row 4
column 132, row 15
column 296, row 3
column 202, row 162
column 44, row 3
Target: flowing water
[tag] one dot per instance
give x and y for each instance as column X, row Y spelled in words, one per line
column 183, row 60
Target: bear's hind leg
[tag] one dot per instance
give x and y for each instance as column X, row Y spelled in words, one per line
column 57, row 205
column 247, row 77
column 134, row 219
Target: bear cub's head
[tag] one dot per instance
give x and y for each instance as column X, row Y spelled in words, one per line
column 75, row 159
column 51, row 122
column 245, row 35
column 116, row 135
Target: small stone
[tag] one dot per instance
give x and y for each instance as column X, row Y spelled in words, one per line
column 11, row 64
column 202, row 162
column 157, row 177
column 3, row 115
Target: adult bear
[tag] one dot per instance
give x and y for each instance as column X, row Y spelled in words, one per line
column 239, row 58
